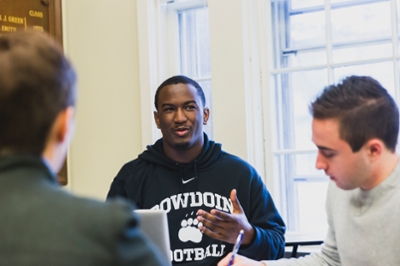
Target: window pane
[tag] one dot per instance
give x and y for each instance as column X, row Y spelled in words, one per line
column 294, row 92
column 306, row 3
column 362, row 52
column 306, row 58
column 299, row 37
column 301, row 183
column 339, row 1
column 304, row 166
column 383, row 72
column 195, row 42
column 361, row 22
column 307, row 29
column 398, row 23
column 206, row 86
column 311, row 196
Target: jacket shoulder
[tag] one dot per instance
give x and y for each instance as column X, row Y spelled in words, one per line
column 131, row 168
column 236, row 161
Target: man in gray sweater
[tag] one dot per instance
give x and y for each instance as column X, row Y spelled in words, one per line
column 355, row 128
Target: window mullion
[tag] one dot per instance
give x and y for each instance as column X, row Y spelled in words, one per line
column 328, row 36
column 197, row 47
column 395, row 45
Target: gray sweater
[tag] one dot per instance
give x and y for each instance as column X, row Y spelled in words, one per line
column 364, row 227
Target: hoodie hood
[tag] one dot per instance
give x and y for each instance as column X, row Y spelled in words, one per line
column 208, row 158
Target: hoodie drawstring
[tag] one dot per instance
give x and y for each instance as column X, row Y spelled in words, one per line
column 180, row 168
column 195, row 174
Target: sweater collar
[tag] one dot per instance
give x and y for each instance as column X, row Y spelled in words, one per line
column 23, row 160
column 368, row 197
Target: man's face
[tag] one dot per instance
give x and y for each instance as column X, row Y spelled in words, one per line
column 181, row 116
column 348, row 169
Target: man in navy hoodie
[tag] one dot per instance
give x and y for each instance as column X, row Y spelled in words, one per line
column 209, row 194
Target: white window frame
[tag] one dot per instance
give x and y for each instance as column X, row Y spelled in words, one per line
column 329, row 66
column 241, row 64
column 158, row 34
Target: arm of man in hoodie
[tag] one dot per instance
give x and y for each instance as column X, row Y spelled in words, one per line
column 116, row 189
column 225, row 226
column 267, row 239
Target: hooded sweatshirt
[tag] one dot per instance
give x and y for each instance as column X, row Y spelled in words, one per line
column 153, row 181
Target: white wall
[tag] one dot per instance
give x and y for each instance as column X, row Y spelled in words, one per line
column 100, row 38
column 228, row 75
column 103, row 40
column 236, row 79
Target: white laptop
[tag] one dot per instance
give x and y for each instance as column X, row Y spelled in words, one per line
column 154, row 224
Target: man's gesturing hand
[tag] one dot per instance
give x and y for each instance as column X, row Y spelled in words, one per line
column 225, row 226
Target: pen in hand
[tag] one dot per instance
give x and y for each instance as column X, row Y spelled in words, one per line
column 236, row 246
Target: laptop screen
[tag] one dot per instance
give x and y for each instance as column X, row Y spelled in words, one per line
column 154, row 224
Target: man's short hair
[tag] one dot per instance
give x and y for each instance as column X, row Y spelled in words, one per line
column 180, row 80
column 36, row 83
column 364, row 109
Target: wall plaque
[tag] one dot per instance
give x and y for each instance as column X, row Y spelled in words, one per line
column 40, row 15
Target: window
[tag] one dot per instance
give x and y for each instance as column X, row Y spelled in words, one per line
column 317, row 43
column 188, row 33
column 194, row 47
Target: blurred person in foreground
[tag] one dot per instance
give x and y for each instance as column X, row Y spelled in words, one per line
column 42, row 224
column 355, row 128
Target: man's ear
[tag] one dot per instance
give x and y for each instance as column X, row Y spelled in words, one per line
column 63, row 125
column 374, row 148
column 157, row 119
column 59, row 138
column 206, row 115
